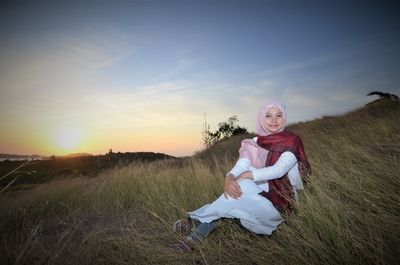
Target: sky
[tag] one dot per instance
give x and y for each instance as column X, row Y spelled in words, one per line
column 87, row 76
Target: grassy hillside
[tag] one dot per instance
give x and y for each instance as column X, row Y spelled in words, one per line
column 349, row 212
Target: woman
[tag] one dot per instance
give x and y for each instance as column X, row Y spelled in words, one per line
column 262, row 185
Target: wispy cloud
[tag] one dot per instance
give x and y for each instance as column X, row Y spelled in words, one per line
column 296, row 65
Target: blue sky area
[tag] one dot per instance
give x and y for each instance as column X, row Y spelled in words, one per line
column 121, row 73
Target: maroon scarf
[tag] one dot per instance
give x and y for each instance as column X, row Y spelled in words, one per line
column 280, row 190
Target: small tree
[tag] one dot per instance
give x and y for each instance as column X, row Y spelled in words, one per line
column 225, row 130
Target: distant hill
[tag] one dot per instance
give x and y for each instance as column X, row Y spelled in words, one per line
column 144, row 156
column 136, row 155
column 73, row 165
column 74, row 155
column 14, row 156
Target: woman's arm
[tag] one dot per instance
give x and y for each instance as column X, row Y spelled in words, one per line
column 242, row 165
column 285, row 162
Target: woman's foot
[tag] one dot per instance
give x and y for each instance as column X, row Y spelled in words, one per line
column 183, row 227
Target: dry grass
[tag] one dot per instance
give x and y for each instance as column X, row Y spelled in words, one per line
column 349, row 212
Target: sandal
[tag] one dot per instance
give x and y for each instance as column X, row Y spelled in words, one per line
column 183, row 245
column 182, row 227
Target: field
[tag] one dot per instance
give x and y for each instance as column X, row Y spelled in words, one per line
column 349, row 211
column 28, row 173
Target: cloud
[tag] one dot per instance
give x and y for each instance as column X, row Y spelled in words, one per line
column 43, row 75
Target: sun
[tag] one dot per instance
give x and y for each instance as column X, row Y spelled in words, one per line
column 67, row 138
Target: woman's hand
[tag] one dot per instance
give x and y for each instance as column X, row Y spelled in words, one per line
column 232, row 187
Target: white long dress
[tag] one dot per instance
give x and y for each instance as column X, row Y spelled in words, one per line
column 255, row 212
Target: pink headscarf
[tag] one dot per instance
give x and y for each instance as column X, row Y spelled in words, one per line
column 249, row 148
column 260, row 125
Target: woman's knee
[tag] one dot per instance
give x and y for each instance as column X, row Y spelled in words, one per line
column 248, row 186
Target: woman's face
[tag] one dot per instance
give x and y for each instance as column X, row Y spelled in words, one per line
column 274, row 120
